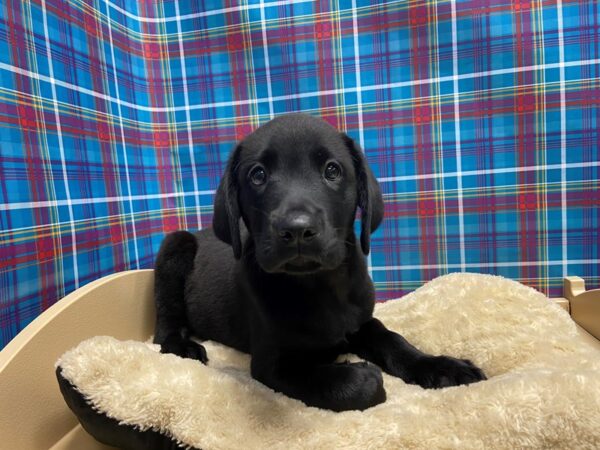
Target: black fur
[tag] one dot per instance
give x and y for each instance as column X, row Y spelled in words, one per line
column 296, row 293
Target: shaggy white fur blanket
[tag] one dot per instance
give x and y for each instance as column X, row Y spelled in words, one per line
column 543, row 389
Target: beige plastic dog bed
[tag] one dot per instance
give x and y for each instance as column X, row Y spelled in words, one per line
column 543, row 391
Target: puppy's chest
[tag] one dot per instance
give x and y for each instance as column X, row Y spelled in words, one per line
column 323, row 319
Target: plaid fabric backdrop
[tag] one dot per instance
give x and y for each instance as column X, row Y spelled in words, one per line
column 480, row 119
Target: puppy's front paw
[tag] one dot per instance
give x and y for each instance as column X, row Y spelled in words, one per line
column 349, row 386
column 368, row 384
column 433, row 372
column 184, row 347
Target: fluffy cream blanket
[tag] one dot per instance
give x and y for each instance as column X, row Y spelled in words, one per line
column 543, row 389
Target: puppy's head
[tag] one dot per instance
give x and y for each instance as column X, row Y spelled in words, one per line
column 297, row 182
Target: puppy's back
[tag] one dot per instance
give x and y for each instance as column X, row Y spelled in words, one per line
column 213, row 294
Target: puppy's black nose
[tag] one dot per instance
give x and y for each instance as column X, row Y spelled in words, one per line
column 296, row 228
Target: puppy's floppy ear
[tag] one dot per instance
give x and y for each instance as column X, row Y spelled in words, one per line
column 226, row 217
column 369, row 198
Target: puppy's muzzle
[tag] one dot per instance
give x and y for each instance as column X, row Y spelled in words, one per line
column 296, row 228
column 298, row 233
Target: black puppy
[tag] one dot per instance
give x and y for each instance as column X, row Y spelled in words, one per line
column 295, row 293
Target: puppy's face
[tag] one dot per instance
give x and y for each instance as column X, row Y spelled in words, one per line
column 297, row 183
column 297, row 194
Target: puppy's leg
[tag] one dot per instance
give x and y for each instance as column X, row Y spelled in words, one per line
column 174, row 263
column 338, row 387
column 396, row 356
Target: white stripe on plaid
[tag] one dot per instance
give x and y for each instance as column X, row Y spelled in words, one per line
column 467, row 173
column 359, row 101
column 461, row 220
column 263, row 27
column 374, row 87
column 85, row 201
column 213, row 12
column 563, row 135
column 123, row 146
column 492, row 264
column 188, row 119
column 61, row 147
column 96, row 219
column 440, row 187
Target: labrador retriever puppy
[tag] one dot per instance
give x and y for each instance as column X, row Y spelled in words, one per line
column 294, row 292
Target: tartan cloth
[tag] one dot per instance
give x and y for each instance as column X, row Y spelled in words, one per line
column 479, row 118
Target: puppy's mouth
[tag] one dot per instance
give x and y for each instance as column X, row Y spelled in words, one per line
column 301, row 265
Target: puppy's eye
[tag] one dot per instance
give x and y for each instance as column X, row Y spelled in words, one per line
column 333, row 171
column 257, row 176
